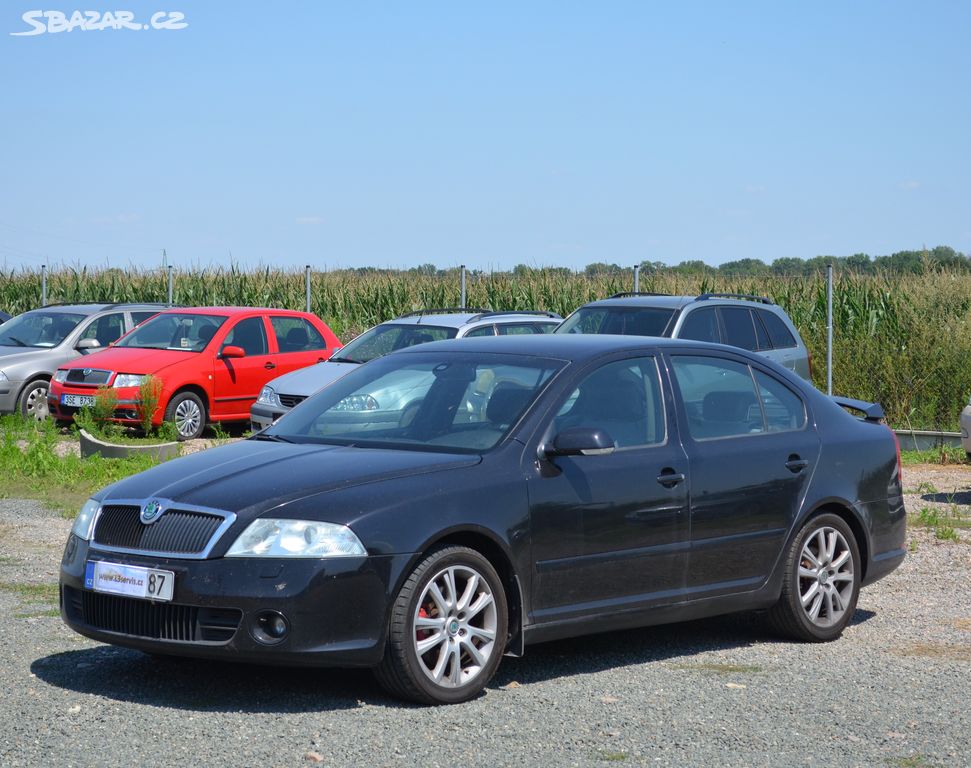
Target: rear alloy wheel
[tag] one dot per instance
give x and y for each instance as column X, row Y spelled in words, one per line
column 447, row 631
column 187, row 412
column 822, row 581
column 33, row 400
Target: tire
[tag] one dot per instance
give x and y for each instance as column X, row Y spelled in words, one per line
column 187, row 411
column 818, row 598
column 32, row 403
column 438, row 650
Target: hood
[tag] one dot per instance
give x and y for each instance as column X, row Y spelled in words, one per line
column 13, row 355
column 306, row 381
column 132, row 360
column 252, row 476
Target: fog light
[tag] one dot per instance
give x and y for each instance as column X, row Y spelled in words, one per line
column 270, row 627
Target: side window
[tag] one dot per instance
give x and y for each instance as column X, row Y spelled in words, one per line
column 250, row 335
column 780, row 335
column 719, row 397
column 295, row 334
column 700, row 325
column 514, row 329
column 739, row 330
column 784, row 409
column 760, row 333
column 105, row 329
column 623, row 398
column 140, row 317
column 485, row 330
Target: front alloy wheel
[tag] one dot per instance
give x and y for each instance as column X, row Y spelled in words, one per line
column 822, row 581
column 187, row 412
column 447, row 631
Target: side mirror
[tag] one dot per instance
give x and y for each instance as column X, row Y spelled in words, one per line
column 581, row 441
column 232, row 351
column 88, row 344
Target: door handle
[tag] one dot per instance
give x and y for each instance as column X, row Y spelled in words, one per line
column 270, row 366
column 795, row 464
column 669, row 478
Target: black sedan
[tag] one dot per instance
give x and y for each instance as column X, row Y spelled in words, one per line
column 442, row 506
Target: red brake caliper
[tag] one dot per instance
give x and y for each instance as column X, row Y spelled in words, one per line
column 421, row 634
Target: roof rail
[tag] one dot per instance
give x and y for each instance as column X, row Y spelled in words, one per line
column 531, row 312
column 624, row 294
column 104, row 304
column 442, row 311
column 746, row 296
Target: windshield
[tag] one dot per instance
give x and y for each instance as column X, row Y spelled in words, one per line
column 452, row 402
column 38, row 329
column 388, row 337
column 626, row 321
column 183, row 331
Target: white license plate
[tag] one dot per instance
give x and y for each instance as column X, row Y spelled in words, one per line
column 77, row 401
column 130, row 580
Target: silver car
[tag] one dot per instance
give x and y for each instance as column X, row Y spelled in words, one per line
column 34, row 344
column 750, row 322
column 284, row 392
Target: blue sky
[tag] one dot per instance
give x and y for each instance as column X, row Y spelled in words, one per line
column 490, row 134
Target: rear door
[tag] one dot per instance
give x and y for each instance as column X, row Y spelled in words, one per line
column 237, row 381
column 298, row 344
column 751, row 451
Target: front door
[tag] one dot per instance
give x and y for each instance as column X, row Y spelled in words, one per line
column 238, row 380
column 610, row 531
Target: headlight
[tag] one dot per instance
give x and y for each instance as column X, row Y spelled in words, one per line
column 357, row 403
column 84, row 522
column 269, row 397
column 296, row 538
column 60, row 376
column 128, row 380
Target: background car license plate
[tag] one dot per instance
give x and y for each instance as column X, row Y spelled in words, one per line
column 130, row 580
column 77, row 401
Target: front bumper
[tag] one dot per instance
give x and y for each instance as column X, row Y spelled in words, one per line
column 262, row 416
column 336, row 609
column 9, row 390
column 126, row 404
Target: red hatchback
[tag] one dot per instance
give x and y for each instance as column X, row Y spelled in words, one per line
column 212, row 362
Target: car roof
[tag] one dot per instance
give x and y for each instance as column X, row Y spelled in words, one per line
column 233, row 311
column 459, row 318
column 568, row 346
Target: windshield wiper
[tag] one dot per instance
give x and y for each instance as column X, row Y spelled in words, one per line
column 344, row 360
column 16, row 341
column 270, row 438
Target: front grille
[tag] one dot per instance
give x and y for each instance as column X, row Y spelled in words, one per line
column 151, row 620
column 178, row 531
column 288, row 401
column 90, row 376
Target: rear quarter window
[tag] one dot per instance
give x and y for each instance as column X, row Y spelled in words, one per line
column 779, row 334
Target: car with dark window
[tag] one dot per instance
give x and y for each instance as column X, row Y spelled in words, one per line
column 4, row 316
column 755, row 323
column 284, row 392
column 212, row 362
column 35, row 343
column 544, row 487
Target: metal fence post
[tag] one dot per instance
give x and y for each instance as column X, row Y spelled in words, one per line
column 462, row 302
column 170, row 284
column 43, row 285
column 306, row 280
column 637, row 278
column 829, row 329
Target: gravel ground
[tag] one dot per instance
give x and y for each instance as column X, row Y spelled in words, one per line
column 892, row 691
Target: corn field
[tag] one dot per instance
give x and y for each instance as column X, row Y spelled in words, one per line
column 900, row 340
